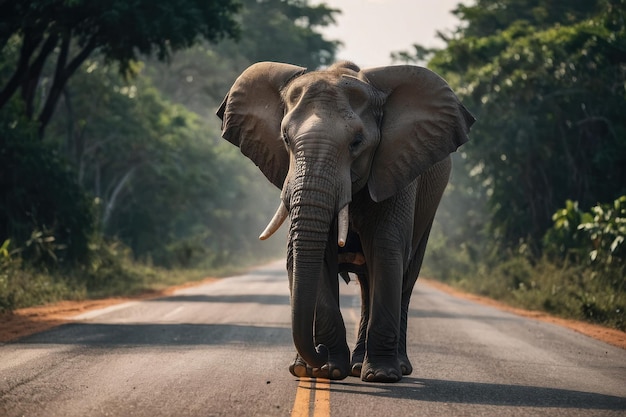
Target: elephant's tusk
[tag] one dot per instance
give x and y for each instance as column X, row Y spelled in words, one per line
column 276, row 222
column 342, row 226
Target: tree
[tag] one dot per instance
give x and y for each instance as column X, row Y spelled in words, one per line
column 199, row 77
column 545, row 80
column 287, row 33
column 162, row 185
column 44, row 212
column 146, row 148
column 117, row 29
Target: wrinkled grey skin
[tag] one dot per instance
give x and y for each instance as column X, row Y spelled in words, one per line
column 377, row 140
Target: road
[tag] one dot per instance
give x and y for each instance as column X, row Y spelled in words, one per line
column 223, row 349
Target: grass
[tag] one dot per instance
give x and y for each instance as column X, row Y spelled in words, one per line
column 577, row 292
column 110, row 272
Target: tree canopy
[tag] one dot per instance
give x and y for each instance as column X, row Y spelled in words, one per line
column 134, row 130
column 546, row 82
column 118, row 29
column 535, row 214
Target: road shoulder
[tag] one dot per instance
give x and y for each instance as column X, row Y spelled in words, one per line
column 27, row 321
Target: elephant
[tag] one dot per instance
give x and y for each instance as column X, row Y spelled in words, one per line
column 362, row 157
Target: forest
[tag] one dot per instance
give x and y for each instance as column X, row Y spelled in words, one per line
column 114, row 180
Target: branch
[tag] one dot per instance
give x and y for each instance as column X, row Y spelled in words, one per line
column 29, row 44
column 31, row 78
column 110, row 205
column 62, row 74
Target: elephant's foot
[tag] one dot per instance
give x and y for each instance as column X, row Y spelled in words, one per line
column 405, row 364
column 336, row 368
column 356, row 368
column 381, row 370
column 356, row 364
column 299, row 368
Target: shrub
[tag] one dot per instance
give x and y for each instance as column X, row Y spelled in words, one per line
column 42, row 208
column 595, row 237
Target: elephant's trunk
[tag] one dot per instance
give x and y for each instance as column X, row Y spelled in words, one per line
column 312, row 209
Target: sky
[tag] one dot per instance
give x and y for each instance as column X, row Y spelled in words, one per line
column 372, row 29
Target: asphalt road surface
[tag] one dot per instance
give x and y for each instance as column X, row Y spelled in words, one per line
column 223, row 349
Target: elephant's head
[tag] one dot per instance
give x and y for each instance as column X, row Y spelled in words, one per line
column 322, row 136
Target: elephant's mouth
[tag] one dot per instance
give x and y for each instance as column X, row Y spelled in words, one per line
column 343, row 222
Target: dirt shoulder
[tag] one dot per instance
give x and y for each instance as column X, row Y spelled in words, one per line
column 27, row 321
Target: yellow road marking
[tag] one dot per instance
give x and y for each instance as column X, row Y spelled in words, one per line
column 322, row 398
column 312, row 398
column 302, row 403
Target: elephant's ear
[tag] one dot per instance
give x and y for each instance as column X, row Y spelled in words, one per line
column 423, row 122
column 252, row 113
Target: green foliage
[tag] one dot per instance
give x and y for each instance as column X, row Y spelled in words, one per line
column 564, row 239
column 132, row 176
column 581, row 276
column 486, row 17
column 170, row 194
column 120, row 30
column 547, row 89
column 110, row 272
column 199, row 77
column 70, row 31
column 286, row 33
column 546, row 82
column 44, row 211
column 22, row 285
column 567, row 290
column 607, row 232
column 596, row 236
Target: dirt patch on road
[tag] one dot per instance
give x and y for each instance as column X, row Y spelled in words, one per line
column 27, row 321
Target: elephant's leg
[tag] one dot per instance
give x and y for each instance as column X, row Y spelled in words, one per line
column 405, row 364
column 386, row 231
column 430, row 188
column 358, row 353
column 410, row 278
column 352, row 259
column 381, row 363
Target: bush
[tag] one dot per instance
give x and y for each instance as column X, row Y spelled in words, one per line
column 42, row 208
column 580, row 276
column 595, row 237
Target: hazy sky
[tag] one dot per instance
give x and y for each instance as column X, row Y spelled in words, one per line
column 372, row 29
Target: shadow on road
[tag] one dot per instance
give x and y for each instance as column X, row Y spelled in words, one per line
column 435, row 390
column 237, row 298
column 185, row 334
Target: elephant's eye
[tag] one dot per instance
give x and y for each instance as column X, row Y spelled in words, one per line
column 358, row 140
